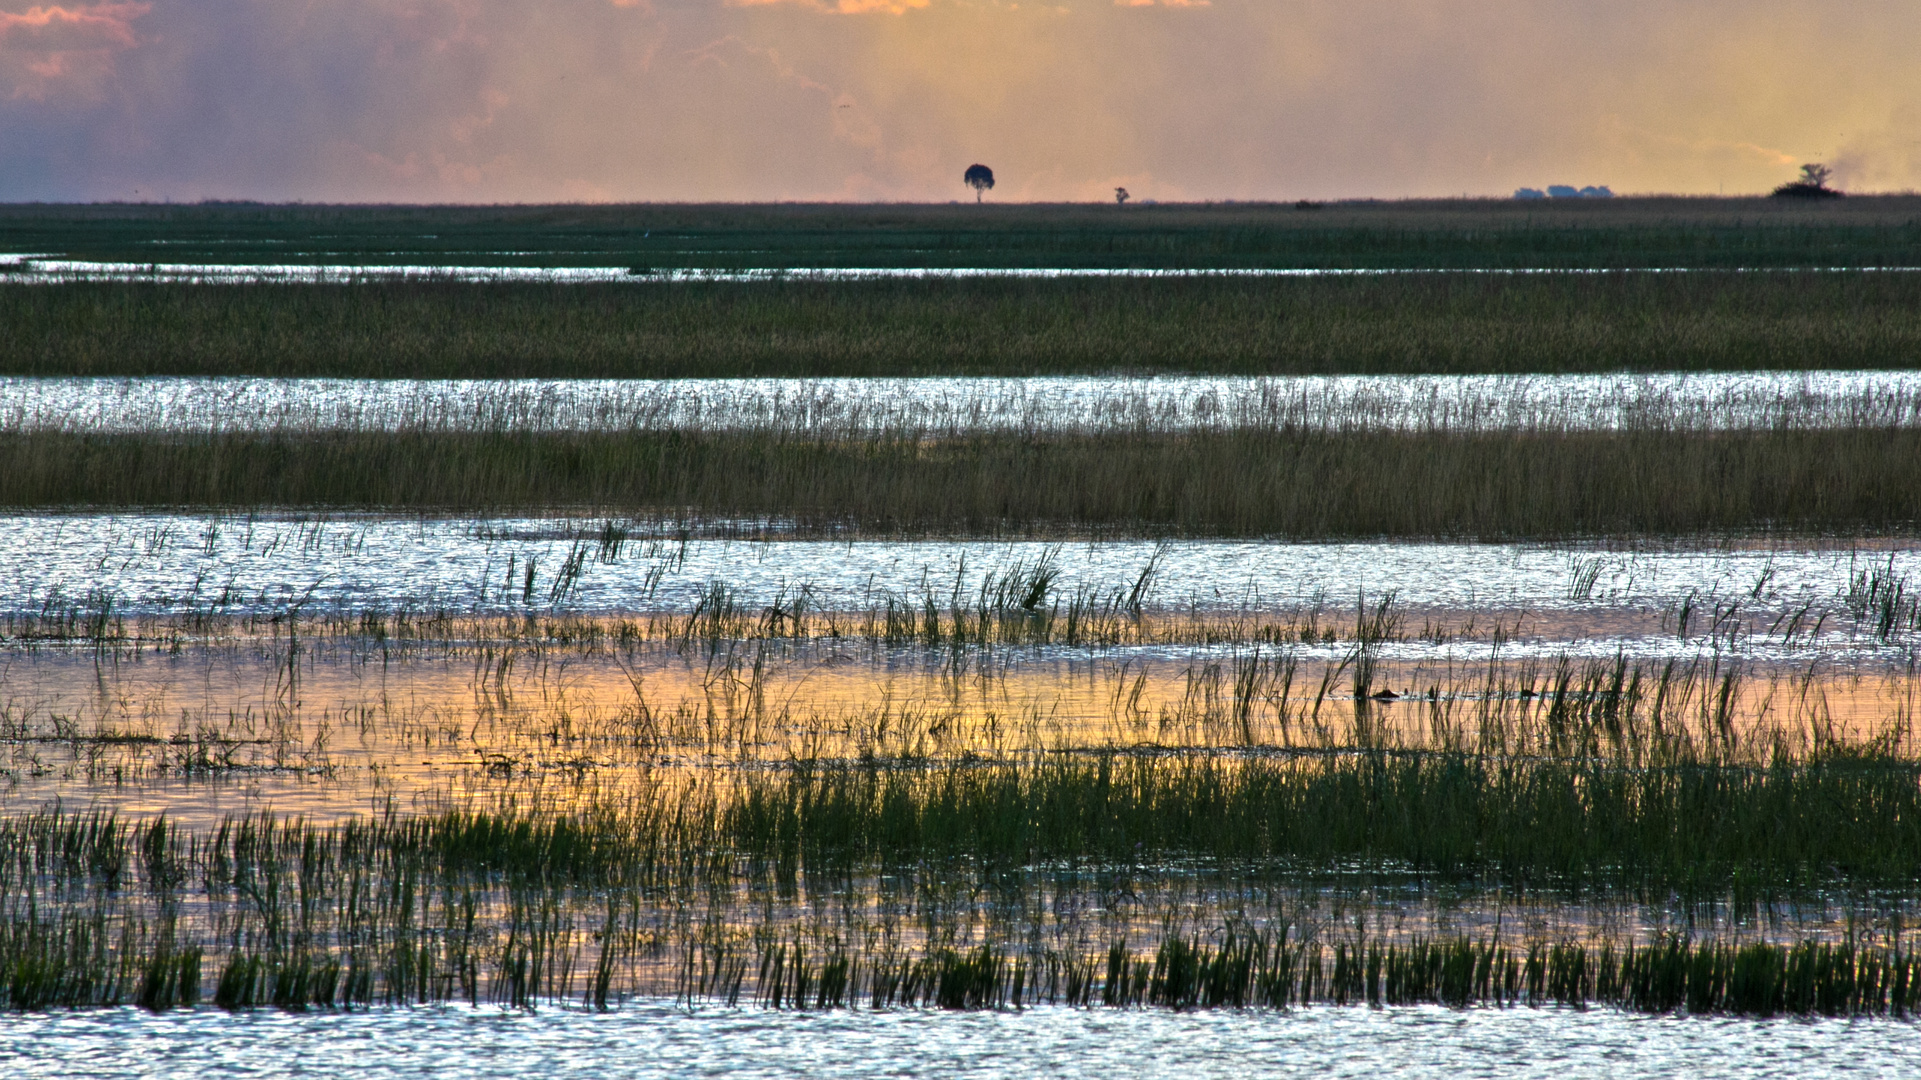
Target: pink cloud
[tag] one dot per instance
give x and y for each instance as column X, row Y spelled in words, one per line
column 49, row 50
column 87, row 26
column 844, row 7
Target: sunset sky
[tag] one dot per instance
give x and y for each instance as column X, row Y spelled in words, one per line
column 594, row 100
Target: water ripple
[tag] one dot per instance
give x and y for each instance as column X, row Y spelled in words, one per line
column 656, row 1040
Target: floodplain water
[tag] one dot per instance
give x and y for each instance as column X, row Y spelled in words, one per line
column 29, row 268
column 202, row 727
column 1603, row 597
column 561, row 665
column 825, row 647
column 1691, row 401
column 648, row 1039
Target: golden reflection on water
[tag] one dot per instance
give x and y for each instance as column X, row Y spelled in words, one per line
column 329, row 729
column 337, row 729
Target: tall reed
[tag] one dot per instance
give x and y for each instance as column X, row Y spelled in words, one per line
column 681, row 897
column 1540, row 484
column 1444, row 324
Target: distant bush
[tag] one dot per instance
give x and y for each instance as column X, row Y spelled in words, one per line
column 1565, row 191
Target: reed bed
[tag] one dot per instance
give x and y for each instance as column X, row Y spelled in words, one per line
column 92, row 701
column 955, row 888
column 1604, row 774
column 1278, row 484
column 1679, row 977
column 648, row 804
column 949, row 408
column 1552, row 824
column 618, row 580
column 523, row 723
column 1438, row 324
column 1546, row 833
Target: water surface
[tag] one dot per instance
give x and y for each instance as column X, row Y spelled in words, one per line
column 655, row 1040
column 49, row 269
column 150, row 563
column 1689, row 401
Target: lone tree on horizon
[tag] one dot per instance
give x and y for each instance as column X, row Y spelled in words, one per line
column 1813, row 184
column 980, row 178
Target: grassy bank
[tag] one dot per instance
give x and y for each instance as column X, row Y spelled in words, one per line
column 1243, row 484
column 1402, row 324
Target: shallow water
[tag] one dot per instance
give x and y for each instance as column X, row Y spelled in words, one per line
column 167, row 563
column 32, row 268
column 655, row 1040
column 1709, row 401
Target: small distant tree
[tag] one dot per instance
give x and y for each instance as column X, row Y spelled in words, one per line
column 980, row 178
column 1813, row 184
column 1121, row 196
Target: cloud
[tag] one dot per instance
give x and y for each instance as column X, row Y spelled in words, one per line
column 87, row 26
column 48, row 51
column 844, row 7
column 892, row 99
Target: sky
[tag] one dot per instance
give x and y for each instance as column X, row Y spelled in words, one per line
column 883, row 100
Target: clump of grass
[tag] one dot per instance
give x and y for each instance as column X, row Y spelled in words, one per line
column 1879, row 597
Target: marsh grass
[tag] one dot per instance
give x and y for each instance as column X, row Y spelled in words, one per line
column 994, row 675
column 1246, row 970
column 1283, row 484
column 954, row 886
column 1613, row 775
column 1614, row 836
column 1569, row 825
column 1662, row 232
column 1567, row 831
column 1445, row 324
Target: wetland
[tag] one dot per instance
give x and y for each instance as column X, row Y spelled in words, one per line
column 1344, row 662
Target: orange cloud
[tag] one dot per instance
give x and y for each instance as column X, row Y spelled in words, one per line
column 44, row 50
column 844, row 7
column 505, row 100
